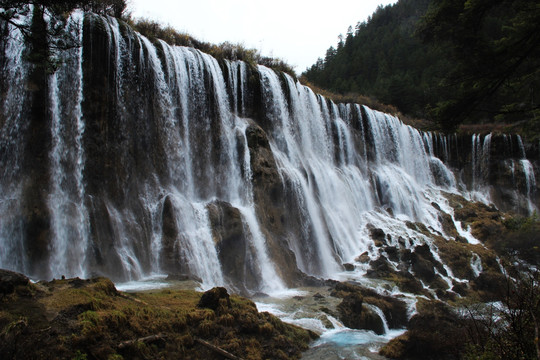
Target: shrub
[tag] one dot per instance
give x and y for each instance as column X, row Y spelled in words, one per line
column 509, row 331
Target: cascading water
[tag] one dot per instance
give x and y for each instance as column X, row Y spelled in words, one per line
column 66, row 201
column 12, row 129
column 510, row 157
column 481, row 150
column 152, row 144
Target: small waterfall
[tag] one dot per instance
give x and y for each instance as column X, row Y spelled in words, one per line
column 481, row 151
column 271, row 281
column 380, row 313
column 66, row 201
column 196, row 243
column 530, row 181
column 476, row 265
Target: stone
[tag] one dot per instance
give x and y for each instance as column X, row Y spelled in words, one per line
column 9, row 280
column 392, row 253
column 377, row 234
column 360, row 299
column 364, row 258
column 211, row 299
column 436, row 332
column 348, row 267
column 326, row 322
column 380, row 268
column 355, row 315
column 448, row 225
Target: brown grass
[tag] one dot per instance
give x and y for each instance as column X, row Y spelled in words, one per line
column 76, row 318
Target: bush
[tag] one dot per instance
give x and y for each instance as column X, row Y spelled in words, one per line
column 508, row 331
column 226, row 50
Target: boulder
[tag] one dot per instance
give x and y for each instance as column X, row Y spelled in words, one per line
column 447, row 224
column 212, row 299
column 377, row 234
column 363, row 258
column 436, row 332
column 392, row 253
column 356, row 311
column 380, row 268
column 9, row 280
column 355, row 315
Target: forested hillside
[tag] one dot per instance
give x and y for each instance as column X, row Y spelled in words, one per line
column 447, row 61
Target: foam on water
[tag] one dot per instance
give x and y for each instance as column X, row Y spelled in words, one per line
column 144, row 284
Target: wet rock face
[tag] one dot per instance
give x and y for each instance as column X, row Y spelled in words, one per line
column 378, row 235
column 355, row 315
column 356, row 309
column 171, row 261
column 38, row 142
column 270, row 199
column 236, row 257
column 503, row 173
column 424, row 264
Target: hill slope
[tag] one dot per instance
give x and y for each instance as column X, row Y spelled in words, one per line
column 447, row 61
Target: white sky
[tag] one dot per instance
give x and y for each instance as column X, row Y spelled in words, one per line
column 297, row 31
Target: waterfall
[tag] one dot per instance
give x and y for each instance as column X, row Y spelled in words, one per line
column 165, row 160
column 66, row 201
column 530, row 183
column 13, row 126
column 480, row 160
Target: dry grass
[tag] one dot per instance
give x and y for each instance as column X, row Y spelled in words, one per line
column 75, row 318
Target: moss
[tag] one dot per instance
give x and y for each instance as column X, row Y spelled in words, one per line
column 90, row 317
column 396, row 348
column 436, row 332
column 486, row 222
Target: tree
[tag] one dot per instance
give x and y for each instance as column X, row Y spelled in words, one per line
column 51, row 36
column 495, row 45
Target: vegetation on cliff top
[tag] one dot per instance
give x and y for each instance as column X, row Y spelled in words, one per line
column 227, row 50
column 59, row 39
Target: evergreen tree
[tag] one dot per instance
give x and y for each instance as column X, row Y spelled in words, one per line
column 495, row 49
column 451, row 61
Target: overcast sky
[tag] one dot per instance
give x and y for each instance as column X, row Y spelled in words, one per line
column 297, row 31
